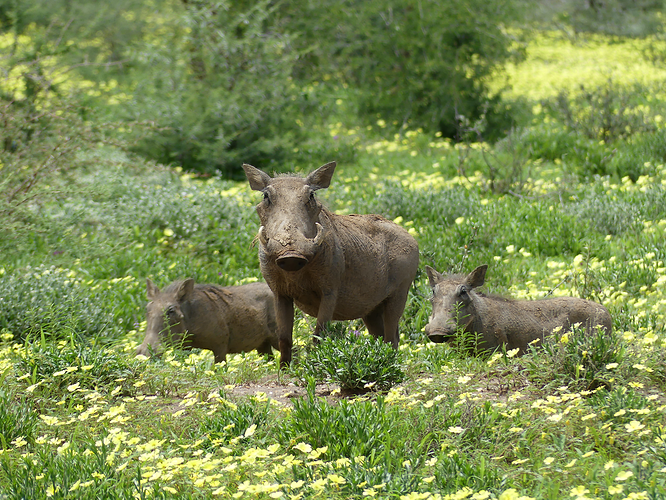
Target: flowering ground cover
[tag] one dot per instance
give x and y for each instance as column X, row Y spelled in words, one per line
column 581, row 416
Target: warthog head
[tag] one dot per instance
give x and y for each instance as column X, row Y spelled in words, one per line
column 290, row 233
column 452, row 303
column 164, row 315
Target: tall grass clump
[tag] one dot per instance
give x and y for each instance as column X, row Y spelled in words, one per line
column 232, row 420
column 17, row 419
column 576, row 358
column 59, row 364
column 348, row 429
column 85, row 473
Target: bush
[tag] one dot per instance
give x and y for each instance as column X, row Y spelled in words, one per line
column 417, row 62
column 220, row 91
column 436, row 207
column 357, row 362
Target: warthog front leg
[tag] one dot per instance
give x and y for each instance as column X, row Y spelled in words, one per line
column 284, row 313
column 325, row 312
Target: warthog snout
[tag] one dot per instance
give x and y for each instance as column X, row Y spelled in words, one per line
column 439, row 335
column 291, row 262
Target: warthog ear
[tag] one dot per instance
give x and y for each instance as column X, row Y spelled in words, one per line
column 185, row 290
column 151, row 289
column 477, row 277
column 433, row 276
column 258, row 179
column 321, row 178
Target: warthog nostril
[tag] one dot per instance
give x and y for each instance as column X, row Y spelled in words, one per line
column 291, row 262
column 440, row 336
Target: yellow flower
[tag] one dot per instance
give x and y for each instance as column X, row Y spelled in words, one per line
column 624, row 475
column 304, row 447
column 578, row 491
column 634, row 425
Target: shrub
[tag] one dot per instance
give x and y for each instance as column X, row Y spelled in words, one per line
column 418, row 62
column 357, row 362
column 441, row 207
column 606, row 215
column 219, row 89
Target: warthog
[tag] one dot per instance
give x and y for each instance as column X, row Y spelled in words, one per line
column 496, row 320
column 221, row 319
column 334, row 267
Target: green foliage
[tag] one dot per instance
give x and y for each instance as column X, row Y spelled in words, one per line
column 616, row 17
column 441, row 207
column 233, row 420
column 221, row 90
column 348, row 429
column 605, row 113
column 418, row 62
column 45, row 474
column 577, row 358
column 17, row 419
column 619, row 405
column 52, row 300
column 453, row 473
column 64, row 363
column 595, row 121
column 356, row 361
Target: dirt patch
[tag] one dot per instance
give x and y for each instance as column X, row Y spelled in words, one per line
column 283, row 392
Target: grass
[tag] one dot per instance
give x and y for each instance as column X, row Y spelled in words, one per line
column 581, row 417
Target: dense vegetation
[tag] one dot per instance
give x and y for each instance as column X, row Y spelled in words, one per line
column 569, row 198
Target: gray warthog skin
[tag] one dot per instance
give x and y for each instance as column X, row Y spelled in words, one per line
column 221, row 319
column 334, row 267
column 496, row 320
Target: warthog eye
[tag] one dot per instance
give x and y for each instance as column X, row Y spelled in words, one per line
column 312, row 197
column 171, row 311
column 462, row 293
column 267, row 199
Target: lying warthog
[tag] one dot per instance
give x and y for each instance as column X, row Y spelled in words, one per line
column 496, row 320
column 334, row 267
column 221, row 319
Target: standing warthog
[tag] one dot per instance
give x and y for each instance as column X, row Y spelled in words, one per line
column 221, row 319
column 496, row 320
column 334, row 267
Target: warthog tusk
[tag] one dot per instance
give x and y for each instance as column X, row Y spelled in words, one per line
column 262, row 237
column 319, row 237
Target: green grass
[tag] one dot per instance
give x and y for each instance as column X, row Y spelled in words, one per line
column 582, row 417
